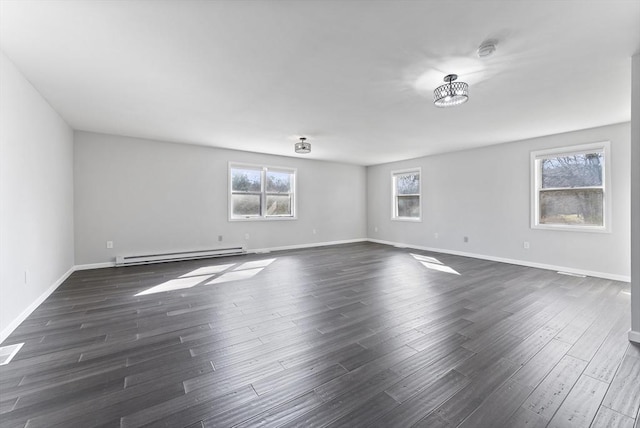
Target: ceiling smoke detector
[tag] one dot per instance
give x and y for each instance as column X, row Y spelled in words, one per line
column 486, row 48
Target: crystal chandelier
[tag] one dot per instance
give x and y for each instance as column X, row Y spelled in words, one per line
column 452, row 93
column 303, row 147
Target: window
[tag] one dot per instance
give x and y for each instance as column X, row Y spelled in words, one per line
column 260, row 192
column 406, row 195
column 570, row 188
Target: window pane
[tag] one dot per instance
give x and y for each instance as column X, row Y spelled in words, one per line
column 246, row 205
column 278, row 182
column 245, row 180
column 279, row 205
column 408, row 206
column 408, row 184
column 572, row 206
column 579, row 170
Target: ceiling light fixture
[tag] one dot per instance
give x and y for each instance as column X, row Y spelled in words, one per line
column 452, row 93
column 303, row 147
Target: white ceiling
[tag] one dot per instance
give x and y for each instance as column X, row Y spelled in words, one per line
column 355, row 77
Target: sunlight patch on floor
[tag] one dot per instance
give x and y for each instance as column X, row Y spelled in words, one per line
column 434, row 264
column 173, row 284
column 216, row 274
column 256, row 264
column 8, row 352
column 236, row 275
column 208, row 270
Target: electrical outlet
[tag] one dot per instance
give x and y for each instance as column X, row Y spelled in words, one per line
column 246, row 236
column 375, row 229
column 109, row 244
column 465, row 239
column 435, row 235
column 26, row 276
column 315, row 231
column 525, row 244
column 219, row 238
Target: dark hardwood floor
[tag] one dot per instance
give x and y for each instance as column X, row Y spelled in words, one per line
column 344, row 336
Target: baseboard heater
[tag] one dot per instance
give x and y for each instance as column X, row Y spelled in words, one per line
column 174, row 257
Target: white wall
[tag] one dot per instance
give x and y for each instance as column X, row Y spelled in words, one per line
column 150, row 196
column 36, row 197
column 485, row 194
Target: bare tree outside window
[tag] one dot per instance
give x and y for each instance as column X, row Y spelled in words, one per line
column 406, row 195
column 570, row 187
column 572, row 190
column 261, row 192
column 279, row 193
column 246, row 189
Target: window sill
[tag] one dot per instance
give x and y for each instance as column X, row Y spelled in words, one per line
column 408, row 219
column 240, row 219
column 567, row 228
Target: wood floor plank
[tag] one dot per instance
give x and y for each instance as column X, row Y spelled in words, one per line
column 7, row 405
column 581, row 405
column 499, row 406
column 337, row 407
column 588, row 344
column 348, row 335
column 186, row 409
column 296, row 375
column 446, row 332
column 623, row 395
column 380, row 349
column 551, row 392
column 464, row 402
column 432, row 354
column 367, row 413
column 350, row 382
column 428, row 371
column 286, row 412
column 231, row 378
column 487, row 357
column 266, row 405
column 607, row 358
column 524, row 418
column 633, row 350
column 611, row 419
column 531, row 345
column 537, row 368
column 423, row 403
column 111, row 405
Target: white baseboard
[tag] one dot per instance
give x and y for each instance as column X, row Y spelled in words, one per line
column 634, row 336
column 299, row 246
column 249, row 251
column 604, row 275
column 33, row 306
column 94, row 266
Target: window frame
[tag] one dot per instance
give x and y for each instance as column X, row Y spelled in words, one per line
column 536, row 182
column 394, row 196
column 264, row 169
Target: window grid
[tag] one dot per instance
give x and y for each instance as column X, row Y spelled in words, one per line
column 407, row 205
column 269, row 201
column 578, row 201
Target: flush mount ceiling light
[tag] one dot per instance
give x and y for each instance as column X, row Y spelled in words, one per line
column 303, row 147
column 452, row 93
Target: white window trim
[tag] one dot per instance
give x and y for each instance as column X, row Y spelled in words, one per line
column 536, row 156
column 263, row 192
column 394, row 207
